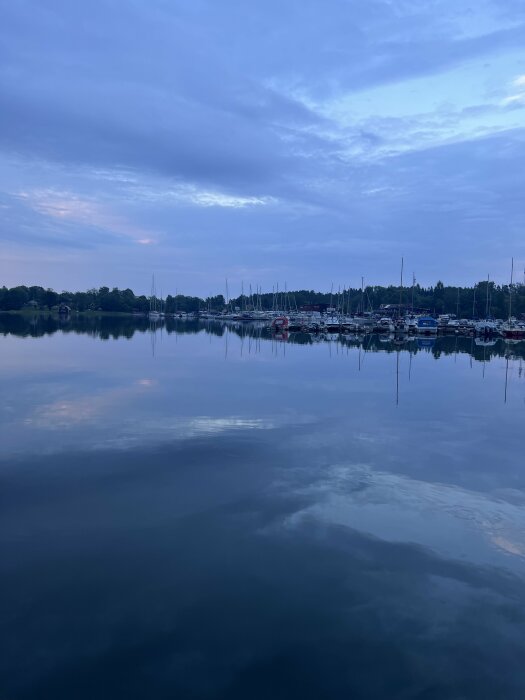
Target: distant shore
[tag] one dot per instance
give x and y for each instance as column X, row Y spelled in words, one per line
column 55, row 314
column 483, row 300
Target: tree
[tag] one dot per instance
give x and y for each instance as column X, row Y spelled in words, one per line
column 17, row 297
column 50, row 298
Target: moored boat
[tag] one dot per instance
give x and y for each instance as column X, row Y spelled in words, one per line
column 426, row 325
column 486, row 327
column 513, row 330
column 280, row 323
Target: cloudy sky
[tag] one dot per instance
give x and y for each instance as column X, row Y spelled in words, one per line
column 295, row 141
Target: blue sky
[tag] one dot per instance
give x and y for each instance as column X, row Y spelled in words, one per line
column 300, row 142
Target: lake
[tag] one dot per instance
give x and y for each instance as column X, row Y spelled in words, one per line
column 201, row 511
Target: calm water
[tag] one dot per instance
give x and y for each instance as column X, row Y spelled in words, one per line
column 201, row 512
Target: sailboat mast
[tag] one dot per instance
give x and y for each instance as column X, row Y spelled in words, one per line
column 510, row 288
column 401, row 290
column 153, row 301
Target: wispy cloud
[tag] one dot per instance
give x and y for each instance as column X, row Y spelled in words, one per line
column 188, row 194
column 68, row 206
column 518, row 96
column 216, row 199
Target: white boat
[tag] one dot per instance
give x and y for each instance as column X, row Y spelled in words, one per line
column 411, row 324
column 385, row 325
column 333, row 323
column 444, row 319
column 486, row 327
column 154, row 309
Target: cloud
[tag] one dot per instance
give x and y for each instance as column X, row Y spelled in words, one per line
column 216, row 199
column 517, row 97
column 187, row 194
column 174, row 124
column 206, row 120
column 68, row 206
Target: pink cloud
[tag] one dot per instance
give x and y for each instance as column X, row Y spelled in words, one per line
column 69, row 206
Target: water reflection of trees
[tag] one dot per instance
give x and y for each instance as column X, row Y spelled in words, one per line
column 102, row 327
column 114, row 327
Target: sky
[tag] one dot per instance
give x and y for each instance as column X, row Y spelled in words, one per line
column 299, row 142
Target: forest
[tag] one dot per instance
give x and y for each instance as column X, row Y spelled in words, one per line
column 483, row 299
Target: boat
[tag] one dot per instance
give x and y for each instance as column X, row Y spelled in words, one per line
column 486, row 327
column 385, row 325
column 154, row 312
column 280, row 323
column 426, row 325
column 512, row 329
column 444, row 319
column 332, row 323
column 400, row 326
column 411, row 323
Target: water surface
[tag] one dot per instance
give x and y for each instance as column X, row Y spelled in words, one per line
column 196, row 511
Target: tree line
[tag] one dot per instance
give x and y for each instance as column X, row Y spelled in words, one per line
column 466, row 302
column 102, row 299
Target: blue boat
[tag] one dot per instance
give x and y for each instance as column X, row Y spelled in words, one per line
column 426, row 325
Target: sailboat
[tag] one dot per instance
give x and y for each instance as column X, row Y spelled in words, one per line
column 512, row 329
column 154, row 312
column 487, row 326
column 400, row 326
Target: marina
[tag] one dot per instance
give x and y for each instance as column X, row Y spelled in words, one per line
column 411, row 324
